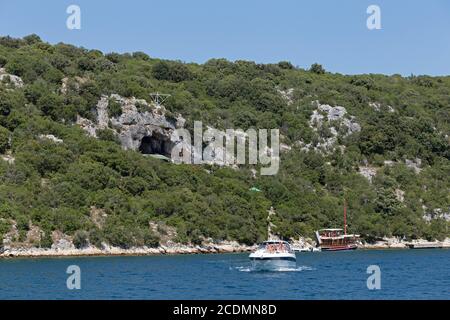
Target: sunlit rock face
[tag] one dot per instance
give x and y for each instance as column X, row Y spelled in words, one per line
column 330, row 122
column 435, row 214
column 328, row 113
column 368, row 172
column 146, row 128
column 13, row 80
column 139, row 126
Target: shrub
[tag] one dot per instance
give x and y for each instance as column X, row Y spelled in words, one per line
column 141, row 56
column 51, row 105
column 9, row 101
column 150, row 239
column 119, row 236
column 107, row 135
column 4, row 139
column 80, row 239
column 113, row 57
column 141, row 107
column 286, row 65
column 96, row 238
column 114, row 108
column 46, row 241
column 171, row 71
column 3, row 61
column 4, row 228
column 32, row 39
column 317, row 68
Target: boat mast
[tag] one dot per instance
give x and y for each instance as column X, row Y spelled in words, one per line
column 345, row 217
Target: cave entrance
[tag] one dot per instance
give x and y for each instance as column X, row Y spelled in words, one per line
column 155, row 144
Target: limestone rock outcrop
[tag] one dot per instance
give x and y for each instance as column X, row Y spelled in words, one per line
column 140, row 125
column 15, row 81
column 337, row 122
column 337, row 113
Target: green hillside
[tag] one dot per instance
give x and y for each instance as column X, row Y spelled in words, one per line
column 94, row 191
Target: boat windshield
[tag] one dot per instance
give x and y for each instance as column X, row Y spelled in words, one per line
column 276, row 247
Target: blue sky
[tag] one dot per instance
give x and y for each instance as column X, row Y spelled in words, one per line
column 415, row 35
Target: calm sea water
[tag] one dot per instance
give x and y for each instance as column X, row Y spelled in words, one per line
column 405, row 274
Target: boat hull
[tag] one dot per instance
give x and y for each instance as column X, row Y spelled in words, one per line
column 340, row 248
column 273, row 264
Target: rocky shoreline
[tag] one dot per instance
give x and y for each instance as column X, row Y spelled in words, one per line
column 395, row 243
column 226, row 247
column 178, row 249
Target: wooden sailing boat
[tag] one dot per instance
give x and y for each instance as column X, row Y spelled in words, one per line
column 337, row 239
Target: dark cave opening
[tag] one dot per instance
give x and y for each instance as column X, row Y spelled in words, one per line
column 155, row 144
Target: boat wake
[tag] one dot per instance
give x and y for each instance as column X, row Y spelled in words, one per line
column 251, row 269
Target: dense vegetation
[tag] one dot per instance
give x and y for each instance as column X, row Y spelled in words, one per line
column 55, row 186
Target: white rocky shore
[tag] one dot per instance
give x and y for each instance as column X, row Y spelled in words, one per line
column 397, row 243
column 170, row 249
column 385, row 243
column 175, row 249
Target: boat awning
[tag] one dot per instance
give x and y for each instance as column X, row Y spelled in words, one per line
column 341, row 236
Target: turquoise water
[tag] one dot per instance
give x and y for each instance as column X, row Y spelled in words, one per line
column 405, row 274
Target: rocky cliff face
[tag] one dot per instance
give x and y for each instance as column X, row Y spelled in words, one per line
column 147, row 128
column 139, row 126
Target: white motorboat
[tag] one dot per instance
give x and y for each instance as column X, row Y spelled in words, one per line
column 273, row 255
